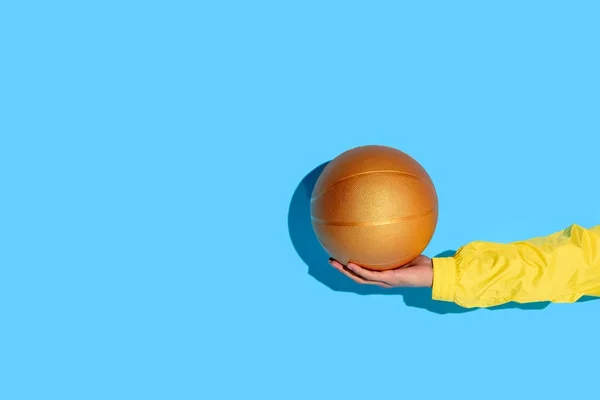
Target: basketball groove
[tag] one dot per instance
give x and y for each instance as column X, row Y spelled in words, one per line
column 396, row 262
column 371, row 223
column 381, row 171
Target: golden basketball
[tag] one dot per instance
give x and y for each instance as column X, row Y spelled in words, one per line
column 374, row 206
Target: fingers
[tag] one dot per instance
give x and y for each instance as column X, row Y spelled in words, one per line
column 355, row 276
column 367, row 273
column 340, row 267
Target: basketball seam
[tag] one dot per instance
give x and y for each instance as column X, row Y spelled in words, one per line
column 371, row 223
column 381, row 171
column 392, row 262
column 370, row 264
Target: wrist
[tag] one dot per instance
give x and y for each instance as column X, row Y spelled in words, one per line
column 429, row 264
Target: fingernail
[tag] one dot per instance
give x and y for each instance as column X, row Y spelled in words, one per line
column 351, row 266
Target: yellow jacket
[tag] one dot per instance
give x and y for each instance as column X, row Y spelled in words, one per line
column 560, row 268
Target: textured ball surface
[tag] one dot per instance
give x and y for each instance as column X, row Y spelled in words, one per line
column 374, row 206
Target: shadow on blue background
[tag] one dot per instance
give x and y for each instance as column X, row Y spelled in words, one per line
column 308, row 248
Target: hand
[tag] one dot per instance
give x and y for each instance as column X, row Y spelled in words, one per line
column 417, row 273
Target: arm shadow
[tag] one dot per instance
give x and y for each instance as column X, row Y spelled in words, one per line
column 314, row 256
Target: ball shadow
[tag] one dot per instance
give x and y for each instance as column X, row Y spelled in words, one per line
column 314, row 256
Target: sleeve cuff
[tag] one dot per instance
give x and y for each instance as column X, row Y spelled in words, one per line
column 444, row 279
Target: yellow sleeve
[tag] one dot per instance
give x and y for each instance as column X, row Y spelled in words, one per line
column 560, row 268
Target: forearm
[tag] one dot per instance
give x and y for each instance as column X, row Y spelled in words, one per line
column 561, row 267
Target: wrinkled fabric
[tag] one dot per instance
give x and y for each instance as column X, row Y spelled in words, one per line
column 559, row 268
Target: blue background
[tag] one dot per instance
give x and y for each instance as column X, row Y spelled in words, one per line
column 155, row 163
